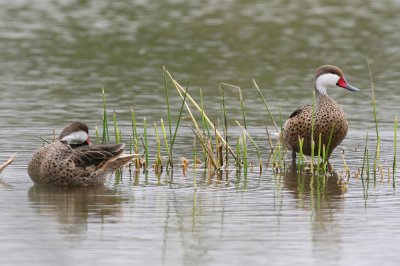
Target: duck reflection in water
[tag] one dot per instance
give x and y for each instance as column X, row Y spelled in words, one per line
column 73, row 207
column 323, row 197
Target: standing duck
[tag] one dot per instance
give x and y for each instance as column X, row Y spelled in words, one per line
column 73, row 161
column 329, row 117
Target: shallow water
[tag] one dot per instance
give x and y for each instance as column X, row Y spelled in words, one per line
column 55, row 56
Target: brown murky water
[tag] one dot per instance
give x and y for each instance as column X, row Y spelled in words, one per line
column 56, row 55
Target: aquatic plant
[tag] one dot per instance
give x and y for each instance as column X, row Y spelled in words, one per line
column 8, row 162
column 394, row 151
column 106, row 136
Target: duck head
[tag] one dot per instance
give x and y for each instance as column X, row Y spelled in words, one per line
column 330, row 76
column 76, row 133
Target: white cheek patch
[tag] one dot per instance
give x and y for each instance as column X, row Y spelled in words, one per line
column 326, row 80
column 78, row 137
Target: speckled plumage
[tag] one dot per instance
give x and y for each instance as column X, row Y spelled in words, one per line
column 329, row 117
column 60, row 163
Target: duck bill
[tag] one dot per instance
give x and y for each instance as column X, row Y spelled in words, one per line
column 351, row 88
column 343, row 83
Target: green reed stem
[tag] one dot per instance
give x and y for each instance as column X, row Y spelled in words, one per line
column 238, row 148
column 206, row 130
column 218, row 152
column 135, row 139
column 364, row 156
column 368, row 169
column 177, row 125
column 373, row 98
column 165, row 139
column 158, row 162
column 244, row 144
column 134, row 129
column 300, row 159
column 106, row 136
column 319, row 151
column 180, row 89
column 97, row 135
column 395, row 151
column 194, row 165
column 377, row 150
column 203, row 118
column 327, row 151
column 280, row 117
column 376, row 158
column 312, row 133
column 146, row 146
column 130, row 144
column 168, row 106
column 266, row 106
column 254, row 143
column 116, row 129
column 225, row 126
column 242, row 107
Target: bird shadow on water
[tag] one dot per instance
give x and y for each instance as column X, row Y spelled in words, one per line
column 72, row 207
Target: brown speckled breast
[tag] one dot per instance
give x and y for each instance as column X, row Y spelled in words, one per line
column 329, row 117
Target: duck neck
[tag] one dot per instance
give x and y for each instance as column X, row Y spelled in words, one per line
column 320, row 89
column 322, row 98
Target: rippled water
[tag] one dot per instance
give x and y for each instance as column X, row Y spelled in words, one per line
column 55, row 56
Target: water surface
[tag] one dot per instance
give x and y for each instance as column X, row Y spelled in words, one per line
column 55, row 56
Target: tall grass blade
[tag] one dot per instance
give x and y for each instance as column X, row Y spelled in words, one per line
column 180, row 90
column 266, row 106
column 395, row 151
column 203, row 119
column 116, row 129
column 106, row 136
column 377, row 149
column 172, row 142
column 168, row 106
column 194, row 165
column 97, row 135
column 244, row 145
column 225, row 125
column 158, row 162
column 364, row 156
column 242, row 107
column 254, row 143
column 165, row 139
column 312, row 133
column 146, row 144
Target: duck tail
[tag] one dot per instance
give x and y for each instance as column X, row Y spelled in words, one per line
column 118, row 162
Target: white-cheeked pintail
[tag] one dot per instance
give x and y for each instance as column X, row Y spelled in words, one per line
column 329, row 117
column 73, row 161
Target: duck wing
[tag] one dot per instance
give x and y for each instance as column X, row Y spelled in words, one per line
column 301, row 109
column 96, row 155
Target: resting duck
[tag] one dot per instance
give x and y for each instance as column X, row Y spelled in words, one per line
column 73, row 161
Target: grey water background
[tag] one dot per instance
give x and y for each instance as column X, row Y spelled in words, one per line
column 55, row 56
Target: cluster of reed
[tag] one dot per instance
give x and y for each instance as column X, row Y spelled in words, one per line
column 377, row 167
column 217, row 152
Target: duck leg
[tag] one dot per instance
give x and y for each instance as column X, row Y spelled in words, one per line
column 293, row 157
